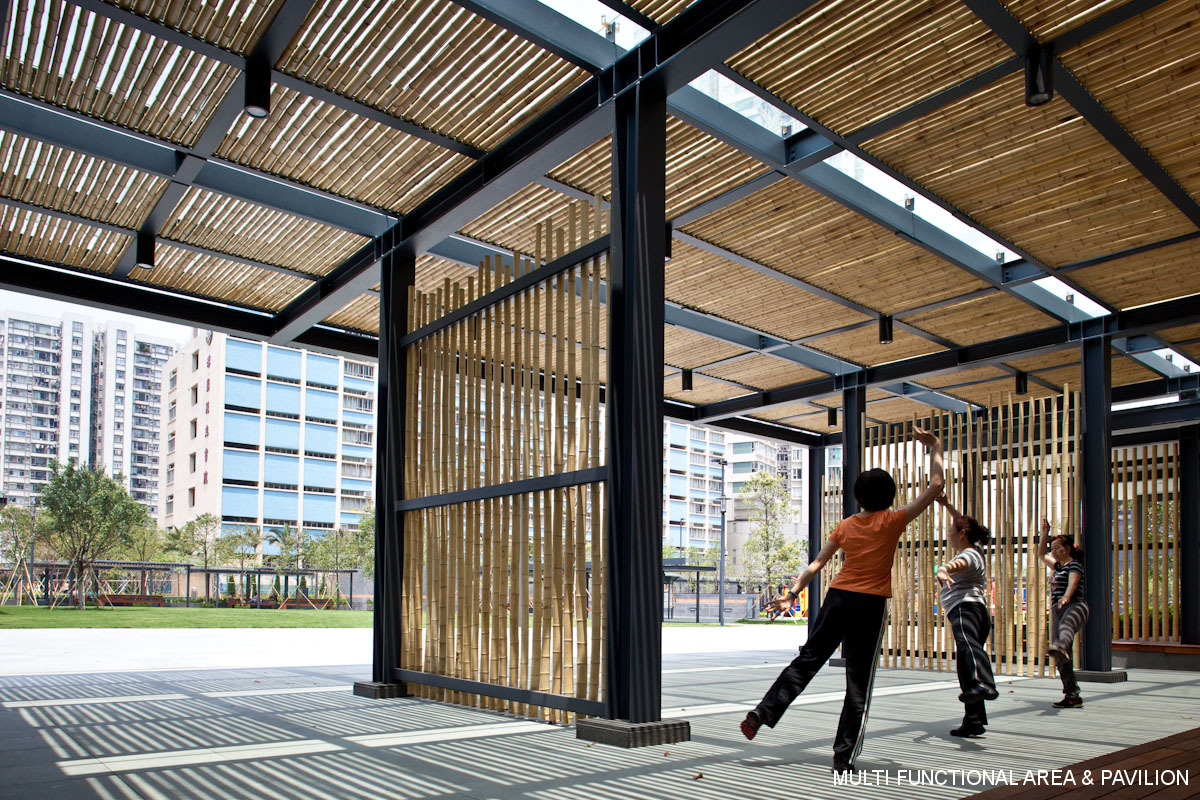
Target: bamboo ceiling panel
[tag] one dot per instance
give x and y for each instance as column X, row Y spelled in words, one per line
column 962, row 376
column 704, row 390
column 852, row 63
column 234, row 25
column 1192, row 352
column 321, row 145
column 898, row 409
column 1146, row 72
column 764, row 372
column 1181, row 334
column 1047, row 19
column 1041, row 177
column 981, row 319
column 222, row 223
column 1124, row 371
column 862, row 346
column 777, row 413
column 1162, row 274
column 432, row 62
column 997, row 392
column 817, row 423
column 53, row 177
column 687, row 349
column 360, row 314
column 512, row 224
column 797, row 231
column 73, row 244
column 1058, row 358
column 432, row 272
column 698, row 279
column 660, row 10
column 75, row 59
column 207, row 276
column 699, row 168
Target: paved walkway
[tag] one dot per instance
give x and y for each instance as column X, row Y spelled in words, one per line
column 298, row 732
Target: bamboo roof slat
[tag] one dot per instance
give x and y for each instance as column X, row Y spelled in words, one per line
column 687, row 349
column 873, row 395
column 234, row 25
column 704, row 390
column 208, row 276
column 817, row 423
column 1055, row 359
column 360, row 314
column 699, row 168
column 1041, row 177
column 1193, row 352
column 1162, row 274
column 70, row 57
column 323, row 146
column 999, row 391
column 432, row 271
column 512, row 224
column 862, row 346
column 433, row 63
column 660, row 10
column 1124, row 371
column 53, row 177
column 791, row 228
column 981, row 319
column 899, row 409
column 1146, row 72
column 1181, row 334
column 852, row 63
column 698, row 279
column 790, row 410
column 59, row 241
column 1047, row 19
column 763, row 372
column 238, row 228
column 962, row 376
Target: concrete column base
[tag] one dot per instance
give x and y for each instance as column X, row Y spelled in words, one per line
column 620, row 733
column 380, row 691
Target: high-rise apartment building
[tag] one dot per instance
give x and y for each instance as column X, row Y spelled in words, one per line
column 45, row 381
column 693, row 485
column 263, row 436
column 127, row 399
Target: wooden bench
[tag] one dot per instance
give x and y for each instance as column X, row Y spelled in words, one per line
column 132, row 600
column 1129, row 645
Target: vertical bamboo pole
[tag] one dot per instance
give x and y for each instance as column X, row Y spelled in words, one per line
column 599, row 610
column 1115, row 543
column 1143, row 626
column 1174, row 552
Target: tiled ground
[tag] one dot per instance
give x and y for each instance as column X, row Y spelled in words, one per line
column 237, row 734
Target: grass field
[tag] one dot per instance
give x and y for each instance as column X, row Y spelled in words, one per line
column 37, row 617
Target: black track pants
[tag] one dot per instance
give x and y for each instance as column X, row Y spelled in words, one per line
column 855, row 621
column 972, row 625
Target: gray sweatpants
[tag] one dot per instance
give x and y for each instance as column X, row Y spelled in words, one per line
column 1064, row 624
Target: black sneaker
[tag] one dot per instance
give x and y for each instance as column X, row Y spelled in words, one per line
column 978, row 692
column 841, row 767
column 968, row 731
column 1070, row 701
column 751, row 724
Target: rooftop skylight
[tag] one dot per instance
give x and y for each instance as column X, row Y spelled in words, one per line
column 746, row 103
column 1178, row 359
column 599, row 18
column 1085, row 304
column 1154, row 401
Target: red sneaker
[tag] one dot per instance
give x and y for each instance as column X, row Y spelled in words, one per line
column 751, row 724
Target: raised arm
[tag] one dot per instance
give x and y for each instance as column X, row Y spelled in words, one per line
column 937, row 480
column 1047, row 559
column 782, row 602
column 945, row 503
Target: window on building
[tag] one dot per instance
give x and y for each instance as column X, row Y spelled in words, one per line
column 193, row 426
column 191, row 498
column 195, row 361
column 170, row 473
column 191, row 463
column 194, row 393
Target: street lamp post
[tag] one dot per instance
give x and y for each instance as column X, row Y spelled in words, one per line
column 721, row 573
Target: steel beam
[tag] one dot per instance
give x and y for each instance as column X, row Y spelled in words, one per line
column 635, row 406
column 1096, row 484
column 854, row 405
column 816, row 508
column 1188, row 604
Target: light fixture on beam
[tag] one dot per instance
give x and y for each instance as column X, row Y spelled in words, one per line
column 687, row 380
column 144, row 251
column 258, row 89
column 885, row 328
column 831, row 417
column 1039, row 72
column 1022, row 380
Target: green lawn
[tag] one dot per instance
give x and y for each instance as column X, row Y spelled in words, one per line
column 35, row 617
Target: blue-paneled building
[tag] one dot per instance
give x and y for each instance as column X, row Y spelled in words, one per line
column 264, row 436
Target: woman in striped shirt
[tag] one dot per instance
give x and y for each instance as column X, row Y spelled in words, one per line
column 1068, row 611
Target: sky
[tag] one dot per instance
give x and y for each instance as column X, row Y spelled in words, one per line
column 15, row 304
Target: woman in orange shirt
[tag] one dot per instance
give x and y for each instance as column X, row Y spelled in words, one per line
column 854, row 612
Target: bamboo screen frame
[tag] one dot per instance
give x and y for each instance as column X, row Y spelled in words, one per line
column 1026, row 456
column 509, row 393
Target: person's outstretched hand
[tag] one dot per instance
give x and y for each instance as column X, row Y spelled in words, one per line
column 1045, row 526
column 924, row 436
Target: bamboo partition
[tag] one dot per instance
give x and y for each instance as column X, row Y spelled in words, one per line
column 509, row 590
column 1008, row 468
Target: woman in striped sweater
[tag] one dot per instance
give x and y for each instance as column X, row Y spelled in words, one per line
column 1068, row 611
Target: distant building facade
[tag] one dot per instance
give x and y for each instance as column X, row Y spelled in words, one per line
column 263, row 436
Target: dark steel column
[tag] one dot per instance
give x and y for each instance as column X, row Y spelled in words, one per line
column 816, row 502
column 1189, row 536
column 635, row 406
column 854, row 403
column 1096, row 489
column 397, row 275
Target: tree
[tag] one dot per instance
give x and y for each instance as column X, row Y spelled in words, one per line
column 92, row 515
column 245, row 544
column 767, row 553
column 18, row 533
column 146, row 543
column 200, row 538
column 362, row 544
column 330, row 552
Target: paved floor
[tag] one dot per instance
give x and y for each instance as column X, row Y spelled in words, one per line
column 298, row 732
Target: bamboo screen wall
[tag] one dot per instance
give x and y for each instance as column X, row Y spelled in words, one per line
column 509, row 590
column 1009, row 469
